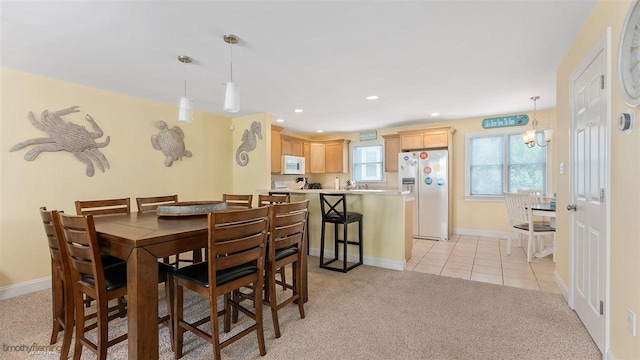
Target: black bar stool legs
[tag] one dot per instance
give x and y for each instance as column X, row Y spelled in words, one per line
column 334, row 212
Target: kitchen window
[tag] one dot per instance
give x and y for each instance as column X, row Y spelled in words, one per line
column 367, row 162
column 501, row 162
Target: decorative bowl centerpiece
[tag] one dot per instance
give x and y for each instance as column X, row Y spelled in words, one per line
column 190, row 208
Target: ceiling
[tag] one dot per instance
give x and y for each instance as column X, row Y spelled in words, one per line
column 458, row 58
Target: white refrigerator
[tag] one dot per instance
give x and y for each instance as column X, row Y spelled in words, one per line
column 424, row 174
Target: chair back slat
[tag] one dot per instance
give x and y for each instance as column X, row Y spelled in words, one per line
column 148, row 204
column 264, row 200
column 103, row 207
column 238, row 200
column 229, row 261
column 237, row 237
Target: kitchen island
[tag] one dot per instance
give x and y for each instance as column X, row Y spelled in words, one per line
column 387, row 224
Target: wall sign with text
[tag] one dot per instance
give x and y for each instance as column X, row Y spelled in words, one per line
column 505, row 121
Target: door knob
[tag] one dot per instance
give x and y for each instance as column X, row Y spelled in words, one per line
column 571, row 207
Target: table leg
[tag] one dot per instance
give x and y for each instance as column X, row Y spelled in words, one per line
column 142, row 295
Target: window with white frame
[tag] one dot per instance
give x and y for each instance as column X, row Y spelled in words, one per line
column 367, row 162
column 501, row 162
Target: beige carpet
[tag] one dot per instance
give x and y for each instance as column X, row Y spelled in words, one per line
column 368, row 313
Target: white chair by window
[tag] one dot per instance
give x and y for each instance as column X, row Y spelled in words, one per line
column 521, row 222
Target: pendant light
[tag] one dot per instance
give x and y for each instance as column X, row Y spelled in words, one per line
column 185, row 113
column 232, row 90
column 529, row 136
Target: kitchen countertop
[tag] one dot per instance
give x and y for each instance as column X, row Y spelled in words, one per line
column 341, row 191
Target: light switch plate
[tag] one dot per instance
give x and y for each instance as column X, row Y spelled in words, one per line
column 561, row 168
column 631, row 322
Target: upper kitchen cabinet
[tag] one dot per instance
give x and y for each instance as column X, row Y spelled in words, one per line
column 391, row 150
column 337, row 156
column 291, row 146
column 317, row 154
column 439, row 137
column 327, row 157
column 276, row 149
column 306, row 151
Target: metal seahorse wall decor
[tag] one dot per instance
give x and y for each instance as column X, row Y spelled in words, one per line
column 248, row 143
column 67, row 136
column 171, row 142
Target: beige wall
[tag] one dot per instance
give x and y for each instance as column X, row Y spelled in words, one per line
column 470, row 215
column 624, row 279
column 57, row 179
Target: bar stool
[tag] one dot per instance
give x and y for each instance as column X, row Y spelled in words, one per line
column 334, row 211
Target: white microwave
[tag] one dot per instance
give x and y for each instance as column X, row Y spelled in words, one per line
column 292, row 165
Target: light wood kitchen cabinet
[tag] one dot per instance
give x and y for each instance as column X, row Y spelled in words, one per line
column 327, row 157
column 316, row 158
column 434, row 140
column 411, row 141
column 426, row 138
column 337, row 156
column 306, row 152
column 291, row 146
column 276, row 150
column 391, row 151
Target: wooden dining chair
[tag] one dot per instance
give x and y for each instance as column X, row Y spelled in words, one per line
column 287, row 226
column 237, row 241
column 90, row 278
column 264, row 200
column 147, row 204
column 150, row 204
column 233, row 200
column 103, row 207
column 61, row 287
column 521, row 222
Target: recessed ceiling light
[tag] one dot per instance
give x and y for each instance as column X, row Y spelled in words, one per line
column 280, row 120
column 372, row 97
column 298, row 110
column 319, row 130
column 435, row 114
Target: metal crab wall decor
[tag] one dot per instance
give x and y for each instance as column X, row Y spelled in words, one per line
column 248, row 143
column 171, row 142
column 67, row 136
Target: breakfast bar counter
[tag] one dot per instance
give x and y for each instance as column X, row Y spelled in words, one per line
column 387, row 224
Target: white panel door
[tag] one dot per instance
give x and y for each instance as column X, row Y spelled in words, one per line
column 588, row 188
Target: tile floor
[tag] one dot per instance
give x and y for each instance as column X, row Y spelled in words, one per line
column 483, row 259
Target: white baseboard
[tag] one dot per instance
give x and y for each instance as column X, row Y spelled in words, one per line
column 377, row 262
column 564, row 289
column 610, row 355
column 8, row 292
column 483, row 233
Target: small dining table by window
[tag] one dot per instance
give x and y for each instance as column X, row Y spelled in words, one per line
column 142, row 239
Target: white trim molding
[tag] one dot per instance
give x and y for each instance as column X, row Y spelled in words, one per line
column 11, row 291
column 483, row 233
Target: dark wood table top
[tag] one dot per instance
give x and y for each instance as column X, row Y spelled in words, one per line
column 141, row 229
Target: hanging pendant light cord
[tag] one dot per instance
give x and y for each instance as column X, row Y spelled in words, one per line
column 231, row 50
column 185, row 79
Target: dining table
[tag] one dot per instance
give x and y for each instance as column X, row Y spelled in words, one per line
column 141, row 239
column 545, row 210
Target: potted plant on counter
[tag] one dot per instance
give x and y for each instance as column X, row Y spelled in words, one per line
column 349, row 184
